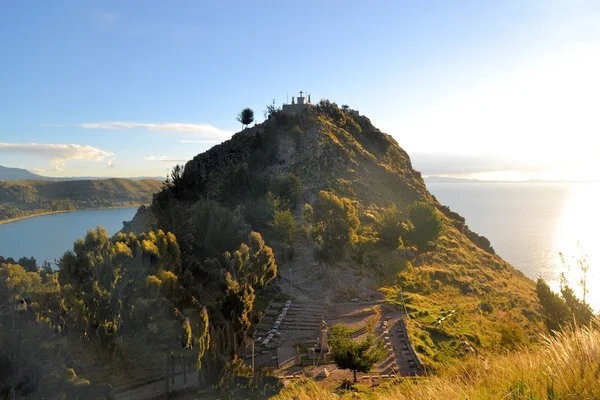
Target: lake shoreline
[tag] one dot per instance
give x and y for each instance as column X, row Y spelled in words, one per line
column 7, row 221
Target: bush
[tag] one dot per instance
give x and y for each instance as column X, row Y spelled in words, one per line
column 426, row 226
column 391, row 227
column 335, row 225
column 153, row 282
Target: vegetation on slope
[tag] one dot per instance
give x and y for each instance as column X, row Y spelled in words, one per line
column 23, row 198
column 206, row 265
column 117, row 306
column 368, row 213
column 565, row 366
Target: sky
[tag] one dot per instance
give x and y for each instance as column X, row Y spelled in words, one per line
column 498, row 89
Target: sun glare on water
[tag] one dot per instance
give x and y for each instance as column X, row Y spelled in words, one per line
column 577, row 236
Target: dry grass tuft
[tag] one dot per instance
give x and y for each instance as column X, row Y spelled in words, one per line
column 566, row 366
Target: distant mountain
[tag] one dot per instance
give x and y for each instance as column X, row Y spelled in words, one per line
column 16, row 174
column 445, row 179
column 19, row 174
column 31, row 197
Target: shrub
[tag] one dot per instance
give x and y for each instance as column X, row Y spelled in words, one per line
column 335, row 225
column 426, row 225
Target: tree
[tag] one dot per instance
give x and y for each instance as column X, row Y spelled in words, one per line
column 29, row 264
column 288, row 188
column 245, row 117
column 556, row 311
column 355, row 356
column 335, row 224
column 426, row 225
column 391, row 227
column 271, row 109
column 285, row 227
column 254, row 263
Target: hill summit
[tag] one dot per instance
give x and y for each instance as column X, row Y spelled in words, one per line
column 347, row 216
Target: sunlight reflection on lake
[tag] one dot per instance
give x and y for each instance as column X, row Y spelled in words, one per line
column 580, row 223
column 528, row 224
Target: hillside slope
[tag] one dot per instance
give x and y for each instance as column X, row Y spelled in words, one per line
column 485, row 301
column 30, row 197
column 15, row 174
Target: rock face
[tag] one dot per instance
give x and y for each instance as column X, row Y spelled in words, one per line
column 143, row 221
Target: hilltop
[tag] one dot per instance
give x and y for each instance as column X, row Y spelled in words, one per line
column 15, row 174
column 296, row 162
column 30, row 197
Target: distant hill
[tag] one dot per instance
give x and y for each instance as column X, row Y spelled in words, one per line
column 30, row 197
column 19, row 174
column 15, row 174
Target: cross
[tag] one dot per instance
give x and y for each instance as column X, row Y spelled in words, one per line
column 301, row 93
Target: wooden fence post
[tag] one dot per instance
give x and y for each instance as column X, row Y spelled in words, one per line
column 183, row 367
column 172, row 368
column 166, row 376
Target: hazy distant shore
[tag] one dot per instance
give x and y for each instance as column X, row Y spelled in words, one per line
column 6, row 221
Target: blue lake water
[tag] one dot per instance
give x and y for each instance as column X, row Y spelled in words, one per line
column 47, row 237
column 528, row 225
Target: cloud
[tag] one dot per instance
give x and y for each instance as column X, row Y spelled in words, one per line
column 177, row 127
column 38, row 170
column 200, row 141
column 163, row 158
column 58, row 154
column 107, row 18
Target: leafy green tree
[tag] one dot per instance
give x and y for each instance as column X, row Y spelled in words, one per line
column 254, row 263
column 391, row 227
column 356, row 356
column 286, row 229
column 555, row 309
column 582, row 313
column 101, row 276
column 334, row 224
column 15, row 282
column 213, row 230
column 203, row 343
column 425, row 227
column 245, row 117
column 29, row 264
column 288, row 188
column 237, row 308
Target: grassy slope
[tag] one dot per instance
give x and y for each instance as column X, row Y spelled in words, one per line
column 356, row 160
column 564, row 367
column 437, row 282
column 23, row 198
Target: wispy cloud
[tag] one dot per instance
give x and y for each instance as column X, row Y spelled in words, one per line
column 200, row 141
column 206, row 130
column 107, row 18
column 57, row 154
column 38, row 170
column 163, row 158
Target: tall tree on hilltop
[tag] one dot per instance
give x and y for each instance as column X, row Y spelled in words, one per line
column 245, row 117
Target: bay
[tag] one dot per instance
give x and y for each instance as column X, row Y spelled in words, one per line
column 47, row 237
